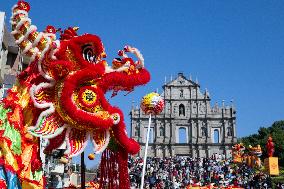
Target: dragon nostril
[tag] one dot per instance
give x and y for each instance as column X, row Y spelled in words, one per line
column 118, row 59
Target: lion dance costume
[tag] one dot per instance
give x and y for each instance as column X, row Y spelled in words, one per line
column 61, row 97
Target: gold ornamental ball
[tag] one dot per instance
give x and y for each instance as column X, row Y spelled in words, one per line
column 91, row 156
column 152, row 103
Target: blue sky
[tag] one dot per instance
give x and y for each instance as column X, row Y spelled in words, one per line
column 235, row 48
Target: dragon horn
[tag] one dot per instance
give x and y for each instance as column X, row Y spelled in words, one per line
column 32, row 43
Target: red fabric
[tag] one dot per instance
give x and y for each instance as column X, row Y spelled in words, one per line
column 129, row 144
column 60, row 69
column 74, row 81
column 3, row 184
column 68, row 34
column 30, row 76
column 18, row 120
column 55, row 142
column 36, row 165
column 121, row 81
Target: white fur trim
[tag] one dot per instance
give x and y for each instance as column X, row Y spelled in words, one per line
column 16, row 13
column 48, row 136
column 23, row 20
column 35, row 54
column 47, row 47
column 20, row 12
column 33, row 91
column 28, row 47
column 54, row 50
column 26, row 35
column 46, row 76
column 20, row 40
column 140, row 62
column 45, row 113
column 14, row 32
column 15, row 6
column 38, row 38
column 30, row 30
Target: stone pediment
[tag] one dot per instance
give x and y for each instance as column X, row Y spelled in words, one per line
column 181, row 80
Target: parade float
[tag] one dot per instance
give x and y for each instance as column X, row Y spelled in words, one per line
column 253, row 157
column 238, row 152
column 61, row 97
column 250, row 158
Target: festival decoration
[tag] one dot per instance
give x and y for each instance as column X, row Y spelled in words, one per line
column 151, row 103
column 238, row 152
column 91, row 185
column 61, row 97
column 253, row 158
column 270, row 147
column 271, row 163
column 91, row 156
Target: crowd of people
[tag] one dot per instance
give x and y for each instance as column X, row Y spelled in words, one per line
column 181, row 172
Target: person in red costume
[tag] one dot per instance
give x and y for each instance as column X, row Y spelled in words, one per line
column 270, row 147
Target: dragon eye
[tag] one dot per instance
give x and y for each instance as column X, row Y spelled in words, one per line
column 88, row 53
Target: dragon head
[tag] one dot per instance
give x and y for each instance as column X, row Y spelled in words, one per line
column 71, row 80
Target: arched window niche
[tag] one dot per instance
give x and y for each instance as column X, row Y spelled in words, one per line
column 229, row 131
column 181, row 110
column 162, row 131
column 216, row 136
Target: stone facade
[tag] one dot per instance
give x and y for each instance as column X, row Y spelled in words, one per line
column 188, row 125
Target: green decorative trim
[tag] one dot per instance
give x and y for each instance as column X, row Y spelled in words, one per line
column 3, row 113
column 15, row 137
column 37, row 175
column 10, row 132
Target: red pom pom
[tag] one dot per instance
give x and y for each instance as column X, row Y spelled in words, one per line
column 50, row 29
column 69, row 33
column 22, row 5
column 120, row 53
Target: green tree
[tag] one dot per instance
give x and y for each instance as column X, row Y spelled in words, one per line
column 276, row 131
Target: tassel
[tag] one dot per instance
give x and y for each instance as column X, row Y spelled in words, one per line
column 114, row 170
column 124, row 182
